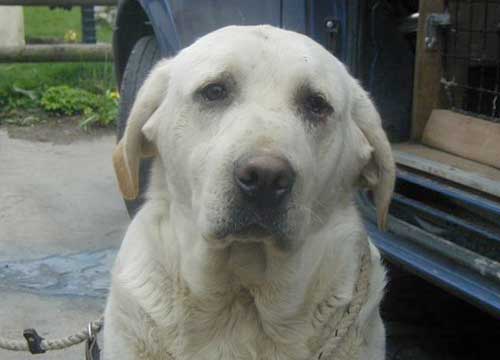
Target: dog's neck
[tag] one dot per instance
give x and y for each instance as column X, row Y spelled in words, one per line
column 253, row 285
column 248, row 270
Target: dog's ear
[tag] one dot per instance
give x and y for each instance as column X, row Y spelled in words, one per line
column 134, row 145
column 380, row 172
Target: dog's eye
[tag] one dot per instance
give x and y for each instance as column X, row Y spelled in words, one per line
column 214, row 92
column 317, row 105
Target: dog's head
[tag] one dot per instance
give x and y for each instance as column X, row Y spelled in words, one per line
column 262, row 134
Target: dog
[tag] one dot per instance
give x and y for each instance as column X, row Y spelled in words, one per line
column 260, row 139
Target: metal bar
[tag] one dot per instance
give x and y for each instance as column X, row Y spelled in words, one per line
column 478, row 60
column 436, row 244
column 58, row 2
column 57, row 53
column 451, row 84
column 483, row 55
column 454, row 193
column 451, row 94
column 431, row 258
column 494, row 119
column 446, row 217
column 467, row 94
column 494, row 105
column 445, row 41
column 438, row 270
column 476, row 31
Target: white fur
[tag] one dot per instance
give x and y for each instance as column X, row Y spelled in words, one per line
column 179, row 290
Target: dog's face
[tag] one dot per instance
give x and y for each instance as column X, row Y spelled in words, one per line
column 262, row 134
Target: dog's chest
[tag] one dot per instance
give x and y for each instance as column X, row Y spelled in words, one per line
column 239, row 330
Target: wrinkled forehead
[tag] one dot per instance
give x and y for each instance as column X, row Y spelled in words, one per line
column 272, row 53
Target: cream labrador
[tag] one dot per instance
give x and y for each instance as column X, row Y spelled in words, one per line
column 249, row 245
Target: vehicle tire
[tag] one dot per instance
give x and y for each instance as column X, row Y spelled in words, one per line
column 143, row 57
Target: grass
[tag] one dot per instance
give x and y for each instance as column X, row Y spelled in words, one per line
column 16, row 80
column 42, row 22
column 95, row 77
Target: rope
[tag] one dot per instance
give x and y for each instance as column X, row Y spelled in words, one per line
column 345, row 329
column 55, row 344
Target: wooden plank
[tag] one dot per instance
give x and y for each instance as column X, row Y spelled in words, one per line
column 426, row 86
column 453, row 168
column 58, row 2
column 465, row 136
column 56, row 53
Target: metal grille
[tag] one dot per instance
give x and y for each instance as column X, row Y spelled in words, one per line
column 471, row 58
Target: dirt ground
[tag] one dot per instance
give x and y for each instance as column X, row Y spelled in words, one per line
column 62, row 220
column 57, row 130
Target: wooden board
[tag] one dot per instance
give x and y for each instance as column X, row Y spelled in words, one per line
column 428, row 68
column 465, row 136
column 56, row 53
column 450, row 167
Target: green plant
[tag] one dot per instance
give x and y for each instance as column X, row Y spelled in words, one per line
column 68, row 89
column 65, row 100
column 97, row 110
column 17, row 98
column 104, row 111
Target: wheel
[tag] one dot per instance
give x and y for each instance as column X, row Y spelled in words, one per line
column 142, row 58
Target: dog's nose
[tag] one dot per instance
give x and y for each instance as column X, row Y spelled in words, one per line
column 265, row 179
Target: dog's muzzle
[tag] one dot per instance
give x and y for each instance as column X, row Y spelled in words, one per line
column 263, row 185
column 264, row 181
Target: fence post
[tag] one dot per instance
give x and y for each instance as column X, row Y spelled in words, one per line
column 11, row 26
column 88, row 24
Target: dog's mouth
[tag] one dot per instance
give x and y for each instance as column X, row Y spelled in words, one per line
column 243, row 221
column 254, row 231
column 245, row 225
column 246, row 232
